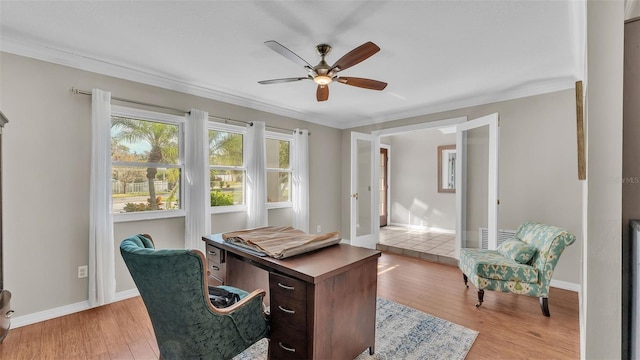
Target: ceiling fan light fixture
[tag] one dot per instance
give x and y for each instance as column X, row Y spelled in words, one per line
column 322, row 79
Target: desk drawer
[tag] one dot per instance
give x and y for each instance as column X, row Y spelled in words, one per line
column 215, row 255
column 216, row 265
column 287, row 288
column 288, row 317
column 287, row 349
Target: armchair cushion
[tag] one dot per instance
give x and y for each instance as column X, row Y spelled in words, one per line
column 490, row 270
column 490, row 264
column 517, row 251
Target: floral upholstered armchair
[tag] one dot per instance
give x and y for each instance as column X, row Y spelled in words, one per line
column 522, row 265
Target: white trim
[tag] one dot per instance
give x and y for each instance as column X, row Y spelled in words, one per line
column 424, row 228
column 64, row 310
column 388, row 199
column 424, row 125
column 31, row 49
column 127, row 294
column 49, row 314
column 367, row 240
column 279, row 205
column 228, row 209
column 147, row 215
column 218, row 126
column 140, row 114
column 492, row 121
column 565, row 285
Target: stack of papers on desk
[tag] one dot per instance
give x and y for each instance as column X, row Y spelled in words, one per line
column 280, row 242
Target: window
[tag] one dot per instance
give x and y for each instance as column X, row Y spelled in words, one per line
column 278, row 169
column 147, row 164
column 227, row 166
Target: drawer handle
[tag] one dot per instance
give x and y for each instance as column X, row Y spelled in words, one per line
column 215, row 268
column 286, row 310
column 286, row 286
column 286, row 348
column 211, row 252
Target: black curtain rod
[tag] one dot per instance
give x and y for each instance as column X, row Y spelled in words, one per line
column 179, row 111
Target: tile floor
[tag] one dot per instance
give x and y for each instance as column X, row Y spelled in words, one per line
column 429, row 245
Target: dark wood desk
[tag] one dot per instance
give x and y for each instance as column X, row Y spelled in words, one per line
column 323, row 303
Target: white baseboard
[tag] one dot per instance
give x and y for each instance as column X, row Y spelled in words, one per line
column 84, row 305
column 19, row 321
column 565, row 285
column 127, row 294
column 29, row 319
column 424, row 228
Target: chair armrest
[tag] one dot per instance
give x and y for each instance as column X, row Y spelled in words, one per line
column 244, row 301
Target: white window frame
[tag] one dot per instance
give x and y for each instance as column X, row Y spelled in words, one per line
column 234, row 129
column 161, row 118
column 289, row 138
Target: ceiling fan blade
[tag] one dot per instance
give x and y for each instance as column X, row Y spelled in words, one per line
column 278, row 81
column 356, row 56
column 362, row 83
column 322, row 94
column 280, row 49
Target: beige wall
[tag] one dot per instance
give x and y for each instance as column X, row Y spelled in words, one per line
column 538, row 167
column 46, row 150
column 601, row 300
column 415, row 199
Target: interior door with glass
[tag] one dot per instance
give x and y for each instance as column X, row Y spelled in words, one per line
column 363, row 221
column 477, row 182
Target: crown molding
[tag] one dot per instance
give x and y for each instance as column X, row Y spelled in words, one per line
column 80, row 61
column 515, row 92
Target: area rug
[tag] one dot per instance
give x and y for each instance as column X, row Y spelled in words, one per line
column 403, row 333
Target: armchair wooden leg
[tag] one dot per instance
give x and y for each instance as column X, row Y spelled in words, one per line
column 480, row 297
column 544, row 305
column 464, row 277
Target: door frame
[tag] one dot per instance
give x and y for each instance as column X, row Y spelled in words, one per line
column 388, row 177
column 376, row 134
column 493, row 121
column 368, row 240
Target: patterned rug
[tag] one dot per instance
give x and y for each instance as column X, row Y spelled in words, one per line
column 403, row 333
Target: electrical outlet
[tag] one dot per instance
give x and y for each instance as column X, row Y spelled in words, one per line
column 83, row 271
column 318, row 229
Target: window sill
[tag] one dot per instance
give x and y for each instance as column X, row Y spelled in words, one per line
column 279, row 205
column 147, row 215
column 228, row 209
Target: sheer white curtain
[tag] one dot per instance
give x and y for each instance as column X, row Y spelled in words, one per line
column 102, row 278
column 198, row 219
column 256, row 176
column 300, row 179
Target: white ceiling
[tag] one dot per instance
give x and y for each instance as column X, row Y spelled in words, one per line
column 435, row 55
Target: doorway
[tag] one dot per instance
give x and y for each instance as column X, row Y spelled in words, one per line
column 384, row 185
column 366, row 175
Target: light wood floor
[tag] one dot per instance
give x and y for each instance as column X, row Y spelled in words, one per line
column 510, row 326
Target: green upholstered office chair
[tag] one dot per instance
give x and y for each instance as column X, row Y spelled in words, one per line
column 172, row 283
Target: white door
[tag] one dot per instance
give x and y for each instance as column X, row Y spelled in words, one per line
column 479, row 139
column 363, row 219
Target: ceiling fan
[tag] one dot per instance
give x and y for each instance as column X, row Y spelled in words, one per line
column 323, row 74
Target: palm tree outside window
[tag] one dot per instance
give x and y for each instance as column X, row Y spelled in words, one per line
column 147, row 163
